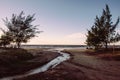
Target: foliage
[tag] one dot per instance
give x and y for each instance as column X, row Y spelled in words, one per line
column 103, row 30
column 21, row 28
column 5, row 39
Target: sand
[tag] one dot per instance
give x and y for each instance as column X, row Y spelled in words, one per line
column 81, row 67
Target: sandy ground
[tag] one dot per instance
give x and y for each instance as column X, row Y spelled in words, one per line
column 40, row 57
column 97, row 69
column 81, row 67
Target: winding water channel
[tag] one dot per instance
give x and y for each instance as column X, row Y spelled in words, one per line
column 63, row 57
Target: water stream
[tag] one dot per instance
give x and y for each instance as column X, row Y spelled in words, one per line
column 51, row 64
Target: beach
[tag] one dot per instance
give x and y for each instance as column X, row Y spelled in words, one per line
column 81, row 66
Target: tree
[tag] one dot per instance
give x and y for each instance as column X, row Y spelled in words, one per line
column 21, row 28
column 93, row 38
column 109, row 27
column 103, row 30
column 5, row 39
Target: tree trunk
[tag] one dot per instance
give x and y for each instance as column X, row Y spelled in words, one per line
column 4, row 46
column 106, row 45
column 18, row 44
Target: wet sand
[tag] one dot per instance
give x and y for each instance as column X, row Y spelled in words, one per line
column 81, row 67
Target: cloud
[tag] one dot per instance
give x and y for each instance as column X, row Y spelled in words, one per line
column 76, row 36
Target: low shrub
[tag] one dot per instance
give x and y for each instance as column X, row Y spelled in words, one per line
column 10, row 56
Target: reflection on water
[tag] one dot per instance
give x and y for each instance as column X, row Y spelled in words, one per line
column 51, row 64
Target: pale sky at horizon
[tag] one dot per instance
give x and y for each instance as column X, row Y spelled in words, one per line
column 63, row 21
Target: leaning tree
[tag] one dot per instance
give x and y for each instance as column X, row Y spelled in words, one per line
column 20, row 28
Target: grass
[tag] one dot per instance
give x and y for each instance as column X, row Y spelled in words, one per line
column 8, row 56
column 18, row 61
column 12, row 61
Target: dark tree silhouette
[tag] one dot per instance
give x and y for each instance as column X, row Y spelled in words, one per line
column 109, row 26
column 93, row 38
column 103, row 30
column 21, row 28
column 5, row 39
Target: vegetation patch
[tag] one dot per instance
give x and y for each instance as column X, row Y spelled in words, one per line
column 12, row 60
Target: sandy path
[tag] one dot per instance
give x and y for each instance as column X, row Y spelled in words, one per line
column 97, row 69
column 81, row 67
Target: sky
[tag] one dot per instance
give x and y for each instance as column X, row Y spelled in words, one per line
column 62, row 21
